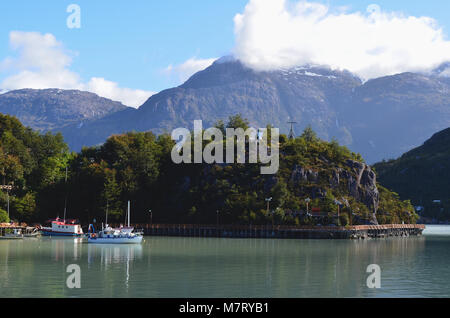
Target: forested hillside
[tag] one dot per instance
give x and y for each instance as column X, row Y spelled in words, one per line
column 34, row 165
column 423, row 174
column 138, row 167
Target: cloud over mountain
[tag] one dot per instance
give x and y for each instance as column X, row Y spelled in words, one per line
column 277, row 34
column 186, row 69
column 43, row 62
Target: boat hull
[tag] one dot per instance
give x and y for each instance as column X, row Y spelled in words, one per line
column 53, row 233
column 32, row 235
column 61, row 228
column 118, row 240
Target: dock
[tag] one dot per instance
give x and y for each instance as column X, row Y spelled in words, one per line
column 283, row 232
column 5, row 227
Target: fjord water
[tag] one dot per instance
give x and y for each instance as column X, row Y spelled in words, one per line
column 210, row 267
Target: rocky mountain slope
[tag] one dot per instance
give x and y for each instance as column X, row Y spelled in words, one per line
column 52, row 109
column 391, row 115
column 381, row 118
column 311, row 95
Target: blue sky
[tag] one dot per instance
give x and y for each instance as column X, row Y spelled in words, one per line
column 133, row 42
column 129, row 41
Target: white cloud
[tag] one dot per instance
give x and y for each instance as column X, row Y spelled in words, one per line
column 274, row 34
column 188, row 68
column 42, row 62
column 111, row 90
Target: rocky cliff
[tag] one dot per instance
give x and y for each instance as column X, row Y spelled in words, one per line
column 357, row 178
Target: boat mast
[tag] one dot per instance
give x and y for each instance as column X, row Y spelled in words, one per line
column 65, row 200
column 128, row 213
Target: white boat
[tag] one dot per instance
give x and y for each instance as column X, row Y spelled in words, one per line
column 32, row 232
column 62, row 228
column 108, row 235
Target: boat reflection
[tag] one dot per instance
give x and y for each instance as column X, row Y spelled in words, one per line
column 63, row 248
column 113, row 254
column 110, row 256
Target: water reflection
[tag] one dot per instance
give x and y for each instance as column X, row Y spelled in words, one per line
column 276, row 268
column 113, row 254
column 437, row 230
column 210, row 267
column 109, row 256
column 65, row 248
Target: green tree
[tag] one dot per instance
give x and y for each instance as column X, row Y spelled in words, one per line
column 309, row 135
column 221, row 126
column 4, row 216
column 22, row 208
column 237, row 121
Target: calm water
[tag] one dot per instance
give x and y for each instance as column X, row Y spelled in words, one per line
column 209, row 267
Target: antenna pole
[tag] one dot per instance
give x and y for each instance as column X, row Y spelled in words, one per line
column 291, row 132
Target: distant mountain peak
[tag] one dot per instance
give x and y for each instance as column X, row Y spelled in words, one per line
column 226, row 59
column 442, row 70
column 54, row 108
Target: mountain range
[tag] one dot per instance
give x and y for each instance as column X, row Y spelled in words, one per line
column 381, row 118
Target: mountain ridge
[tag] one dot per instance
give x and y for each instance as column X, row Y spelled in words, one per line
column 228, row 88
column 53, row 108
column 380, row 118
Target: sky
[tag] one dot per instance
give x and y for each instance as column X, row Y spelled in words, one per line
column 129, row 50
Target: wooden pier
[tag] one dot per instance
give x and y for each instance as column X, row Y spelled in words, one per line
column 283, row 232
column 5, row 227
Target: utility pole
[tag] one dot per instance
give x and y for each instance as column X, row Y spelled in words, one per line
column 7, row 195
column 338, row 203
column 273, row 217
column 307, row 200
column 268, row 204
column 7, row 188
